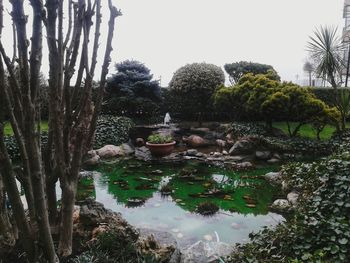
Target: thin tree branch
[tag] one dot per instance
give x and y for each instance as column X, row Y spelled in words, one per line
column 114, row 13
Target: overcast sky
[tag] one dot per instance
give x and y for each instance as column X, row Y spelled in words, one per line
column 167, row 34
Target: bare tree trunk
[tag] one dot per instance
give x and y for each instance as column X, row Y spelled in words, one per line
column 310, row 83
column 289, row 129
column 107, row 59
column 63, row 154
column 9, row 181
column 7, row 236
column 85, row 122
column 29, row 82
column 296, row 129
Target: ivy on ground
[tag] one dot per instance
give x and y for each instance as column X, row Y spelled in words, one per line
column 319, row 230
column 112, row 130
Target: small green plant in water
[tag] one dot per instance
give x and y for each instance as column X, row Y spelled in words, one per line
column 160, row 138
column 207, row 208
column 166, row 189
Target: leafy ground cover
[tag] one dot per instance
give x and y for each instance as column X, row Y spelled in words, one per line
column 319, row 230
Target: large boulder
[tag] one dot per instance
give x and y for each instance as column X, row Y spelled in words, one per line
column 206, row 252
column 244, row 166
column 191, row 152
column 243, row 146
column 195, row 141
column 293, row 197
column 127, row 149
column 220, row 143
column 281, row 205
column 92, row 219
column 143, row 153
column 169, row 251
column 139, row 142
column 109, row 151
column 92, row 160
column 273, row 177
column 89, row 218
column 262, row 155
column 273, row 161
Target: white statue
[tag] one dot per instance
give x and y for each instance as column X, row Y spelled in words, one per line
column 167, row 119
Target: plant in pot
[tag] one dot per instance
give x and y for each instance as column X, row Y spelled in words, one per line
column 160, row 145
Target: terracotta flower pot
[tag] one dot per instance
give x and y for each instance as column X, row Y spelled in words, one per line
column 161, row 149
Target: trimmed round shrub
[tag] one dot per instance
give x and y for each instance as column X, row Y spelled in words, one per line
column 191, row 90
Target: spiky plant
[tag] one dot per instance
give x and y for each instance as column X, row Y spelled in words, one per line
column 326, row 50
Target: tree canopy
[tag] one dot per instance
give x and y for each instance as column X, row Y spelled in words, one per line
column 131, row 91
column 238, row 69
column 259, row 97
column 192, row 87
column 133, row 79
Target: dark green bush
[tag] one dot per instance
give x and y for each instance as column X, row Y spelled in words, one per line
column 132, row 92
column 325, row 94
column 12, row 147
column 112, row 130
column 109, row 130
column 139, row 108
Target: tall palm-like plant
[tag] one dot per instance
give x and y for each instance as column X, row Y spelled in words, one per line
column 326, row 50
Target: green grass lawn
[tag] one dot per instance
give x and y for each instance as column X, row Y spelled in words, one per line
column 9, row 131
column 307, row 130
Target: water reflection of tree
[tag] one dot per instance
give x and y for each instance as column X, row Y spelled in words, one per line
column 129, row 180
column 86, row 189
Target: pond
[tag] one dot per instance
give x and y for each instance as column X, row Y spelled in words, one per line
column 165, row 197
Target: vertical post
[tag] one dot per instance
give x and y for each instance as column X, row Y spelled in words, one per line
column 347, row 68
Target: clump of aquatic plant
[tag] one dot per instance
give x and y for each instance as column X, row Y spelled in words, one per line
column 135, row 202
column 166, row 189
column 207, row 208
column 160, row 138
